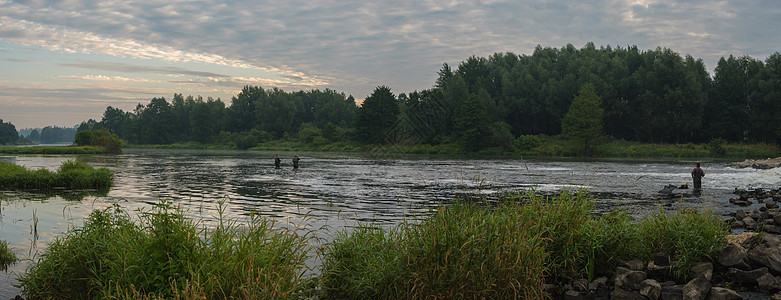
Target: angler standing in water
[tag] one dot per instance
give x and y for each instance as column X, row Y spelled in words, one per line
column 277, row 162
column 697, row 175
column 295, row 162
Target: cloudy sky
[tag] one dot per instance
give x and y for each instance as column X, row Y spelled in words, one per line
column 63, row 62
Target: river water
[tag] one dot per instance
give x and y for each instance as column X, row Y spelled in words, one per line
column 331, row 192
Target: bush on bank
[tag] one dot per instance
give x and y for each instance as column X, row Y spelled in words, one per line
column 168, row 256
column 511, row 250
column 466, row 249
column 70, row 175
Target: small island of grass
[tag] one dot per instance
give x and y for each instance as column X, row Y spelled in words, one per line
column 70, row 175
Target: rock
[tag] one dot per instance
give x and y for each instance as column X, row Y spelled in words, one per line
column 740, row 214
column 759, row 164
column 744, row 239
column 772, row 229
column 629, row 279
column 597, row 283
column 651, row 289
column 581, row 285
column 777, row 218
column 697, row 288
column 661, row 259
column 771, row 240
column 702, row 270
column 671, row 292
column 769, row 283
column 623, row 294
column 657, row 272
column 746, row 277
column 733, row 254
column 549, row 289
column 767, row 256
column 635, row 264
column 717, row 293
column 572, row 295
column 750, row 222
column 771, row 205
column 668, row 189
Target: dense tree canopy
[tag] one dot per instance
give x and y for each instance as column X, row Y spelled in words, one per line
column 8, row 133
column 655, row 96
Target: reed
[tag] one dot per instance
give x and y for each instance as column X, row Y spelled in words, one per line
column 475, row 249
column 166, row 255
column 689, row 236
column 70, row 175
column 7, row 257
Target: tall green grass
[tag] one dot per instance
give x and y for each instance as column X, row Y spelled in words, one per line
column 7, row 257
column 471, row 249
column 70, row 175
column 165, row 256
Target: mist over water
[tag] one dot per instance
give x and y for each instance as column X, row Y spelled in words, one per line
column 331, row 192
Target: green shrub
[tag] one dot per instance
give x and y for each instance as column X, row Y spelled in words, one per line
column 70, row 175
column 168, row 256
column 101, row 138
column 716, row 147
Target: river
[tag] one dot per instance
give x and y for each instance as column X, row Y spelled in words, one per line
column 331, row 192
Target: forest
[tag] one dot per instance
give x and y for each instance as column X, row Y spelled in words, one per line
column 648, row 96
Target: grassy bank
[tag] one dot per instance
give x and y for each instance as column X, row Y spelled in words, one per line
column 70, row 175
column 168, row 256
column 53, row 150
column 466, row 249
column 524, row 146
column 471, row 250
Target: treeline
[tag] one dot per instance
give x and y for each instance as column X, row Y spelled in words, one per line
column 8, row 133
column 652, row 96
column 52, row 135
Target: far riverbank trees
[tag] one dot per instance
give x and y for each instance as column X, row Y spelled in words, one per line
column 648, row 96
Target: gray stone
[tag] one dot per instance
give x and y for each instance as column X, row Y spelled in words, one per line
column 657, row 272
column 697, row 289
column 672, row 292
column 777, row 218
column 572, row 295
column 629, row 279
column 635, row 264
column 702, row 269
column 651, row 289
column 623, row 294
column 732, row 255
column 769, row 283
column 750, row 222
column 772, row 229
column 740, row 214
column 745, row 239
column 767, row 256
column 597, row 283
column 746, row 277
column 661, row 259
column 718, row 293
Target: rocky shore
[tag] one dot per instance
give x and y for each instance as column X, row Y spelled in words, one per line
column 750, row 264
column 759, row 164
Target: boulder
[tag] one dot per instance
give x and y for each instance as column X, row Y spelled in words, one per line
column 661, row 259
column 629, row 279
column 744, row 239
column 572, row 295
column 768, row 283
column 746, row 277
column 766, row 255
column 671, row 292
column 718, row 293
column 702, row 270
column 698, row 288
column 658, row 272
column 732, row 255
column 651, row 289
column 635, row 265
column 598, row 283
column 623, row 294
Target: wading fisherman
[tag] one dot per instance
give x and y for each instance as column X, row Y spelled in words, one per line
column 277, row 162
column 697, row 174
column 295, row 162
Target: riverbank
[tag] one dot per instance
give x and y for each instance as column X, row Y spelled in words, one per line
column 527, row 146
column 529, row 246
column 52, row 150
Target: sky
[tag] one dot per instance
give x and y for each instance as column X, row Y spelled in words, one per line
column 64, row 62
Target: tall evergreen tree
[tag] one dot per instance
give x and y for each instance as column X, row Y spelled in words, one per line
column 583, row 121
